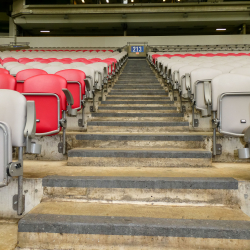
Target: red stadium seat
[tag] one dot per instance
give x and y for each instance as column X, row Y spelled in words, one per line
column 25, row 60
column 4, row 71
column 51, row 96
column 9, row 59
column 7, row 81
column 76, row 85
column 24, row 75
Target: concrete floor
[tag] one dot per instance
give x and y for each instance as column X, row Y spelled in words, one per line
column 8, row 234
column 40, row 169
column 132, row 210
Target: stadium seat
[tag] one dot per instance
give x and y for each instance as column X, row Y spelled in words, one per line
column 76, row 85
column 25, row 74
column 7, row 81
column 4, row 71
column 200, row 80
column 230, row 107
column 50, row 94
column 17, row 129
column 18, row 68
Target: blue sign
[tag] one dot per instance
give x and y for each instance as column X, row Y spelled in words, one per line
column 136, row 49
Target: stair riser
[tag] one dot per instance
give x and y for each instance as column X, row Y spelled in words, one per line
column 139, row 162
column 64, row 241
column 181, row 197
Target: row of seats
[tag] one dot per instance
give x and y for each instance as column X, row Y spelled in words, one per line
column 216, row 84
column 56, row 50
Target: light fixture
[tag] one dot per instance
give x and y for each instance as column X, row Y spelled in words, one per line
column 132, row 1
column 83, row 1
column 45, row 31
column 107, row 1
column 221, row 29
column 164, row 0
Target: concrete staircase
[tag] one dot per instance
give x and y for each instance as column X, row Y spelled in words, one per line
column 137, row 127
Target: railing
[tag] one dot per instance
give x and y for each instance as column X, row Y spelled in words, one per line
column 14, row 46
column 185, row 48
column 86, row 2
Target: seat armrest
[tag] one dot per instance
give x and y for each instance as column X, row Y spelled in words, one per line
column 188, row 84
column 30, row 129
column 70, row 101
column 208, row 95
column 88, row 84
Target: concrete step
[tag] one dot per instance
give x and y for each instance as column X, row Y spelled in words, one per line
column 141, row 105
column 136, row 126
column 143, row 190
column 152, row 78
column 139, row 157
column 131, row 109
column 67, row 225
column 139, row 102
column 137, row 116
column 132, row 93
column 109, row 98
column 134, row 86
column 134, row 72
column 8, row 233
column 129, row 92
column 127, row 140
column 136, row 108
column 138, row 81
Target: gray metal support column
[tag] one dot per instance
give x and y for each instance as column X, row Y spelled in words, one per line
column 20, row 185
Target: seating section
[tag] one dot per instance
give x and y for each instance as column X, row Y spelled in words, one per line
column 215, row 85
column 60, row 82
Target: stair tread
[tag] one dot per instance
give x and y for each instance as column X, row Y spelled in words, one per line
column 132, row 210
column 40, row 169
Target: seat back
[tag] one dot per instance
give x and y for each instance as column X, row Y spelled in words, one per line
column 7, row 82
column 182, row 73
column 228, row 83
column 197, row 87
column 90, row 74
column 50, row 101
column 202, row 74
column 53, row 69
column 223, row 68
column 4, row 71
column 241, row 71
column 5, row 151
column 14, row 114
column 75, row 84
column 17, row 69
column 25, row 74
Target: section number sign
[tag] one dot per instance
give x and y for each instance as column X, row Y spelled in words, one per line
column 135, row 49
